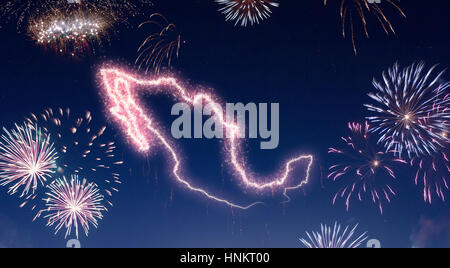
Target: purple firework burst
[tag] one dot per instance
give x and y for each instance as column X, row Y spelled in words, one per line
column 363, row 168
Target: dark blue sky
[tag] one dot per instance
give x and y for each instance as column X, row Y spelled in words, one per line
column 298, row 59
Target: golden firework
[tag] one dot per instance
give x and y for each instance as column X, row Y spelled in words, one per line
column 160, row 47
column 70, row 33
column 363, row 8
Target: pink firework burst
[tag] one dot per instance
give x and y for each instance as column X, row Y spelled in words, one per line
column 27, row 159
column 363, row 168
column 246, row 11
column 73, row 203
column 433, row 170
column 432, row 173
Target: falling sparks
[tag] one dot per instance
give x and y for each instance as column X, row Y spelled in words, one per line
column 121, row 92
column 336, row 237
column 433, row 173
column 364, row 168
column 160, row 47
column 433, row 170
column 27, row 159
column 246, row 12
column 363, row 8
column 73, row 204
column 83, row 147
column 407, row 116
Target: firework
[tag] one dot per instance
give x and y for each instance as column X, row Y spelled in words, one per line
column 118, row 11
column 69, row 34
column 121, row 91
column 34, row 10
column 74, row 203
column 334, row 238
column 73, row 27
column 365, row 168
column 433, row 170
column 83, row 147
column 23, row 10
column 115, row 12
column 362, row 9
column 160, row 47
column 432, row 173
column 246, row 11
column 27, row 159
column 408, row 118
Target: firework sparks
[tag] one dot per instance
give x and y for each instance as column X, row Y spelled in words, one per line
column 27, row 159
column 74, row 203
column 363, row 8
column 160, row 47
column 72, row 27
column 23, row 10
column 73, row 34
column 116, row 11
column 432, row 173
column 83, row 147
column 433, row 170
column 329, row 237
column 122, row 8
column 246, row 11
column 407, row 118
column 120, row 90
column 368, row 170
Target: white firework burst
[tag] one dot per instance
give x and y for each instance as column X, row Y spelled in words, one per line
column 27, row 159
column 411, row 110
column 334, row 237
column 73, row 203
column 247, row 11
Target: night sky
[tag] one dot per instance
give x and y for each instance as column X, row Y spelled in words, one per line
column 297, row 58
